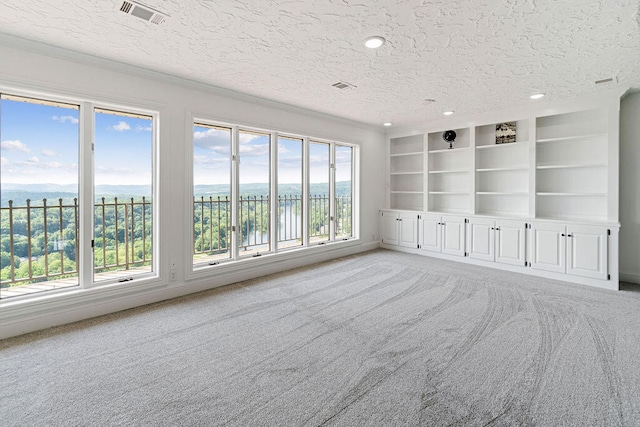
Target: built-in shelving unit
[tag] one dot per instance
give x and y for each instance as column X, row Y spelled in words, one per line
column 572, row 165
column 448, row 179
column 544, row 202
column 502, row 172
column 558, row 167
column 407, row 172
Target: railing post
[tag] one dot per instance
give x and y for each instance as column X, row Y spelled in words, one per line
column 144, row 230
column 46, row 241
column 29, row 237
column 201, row 224
column 115, row 208
column 219, row 226
column 77, row 230
column 11, row 241
column 61, row 235
column 126, row 236
column 104, row 241
column 210, row 224
column 227, row 223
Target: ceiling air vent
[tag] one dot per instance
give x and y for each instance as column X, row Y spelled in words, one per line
column 142, row 11
column 343, row 85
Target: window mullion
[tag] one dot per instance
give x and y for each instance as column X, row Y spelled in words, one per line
column 305, row 192
column 86, row 203
column 274, row 222
column 332, row 192
column 235, row 191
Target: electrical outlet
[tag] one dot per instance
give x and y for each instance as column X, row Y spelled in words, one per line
column 173, row 276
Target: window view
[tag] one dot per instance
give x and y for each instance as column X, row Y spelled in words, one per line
column 211, row 193
column 319, row 192
column 289, row 192
column 344, row 191
column 253, row 204
column 39, row 195
column 123, row 180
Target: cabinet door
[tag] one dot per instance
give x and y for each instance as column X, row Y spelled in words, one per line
column 408, row 234
column 429, row 235
column 481, row 239
column 389, row 228
column 587, row 252
column 548, row 249
column 453, row 235
column 510, row 242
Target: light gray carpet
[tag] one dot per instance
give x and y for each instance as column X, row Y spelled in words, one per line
column 381, row 338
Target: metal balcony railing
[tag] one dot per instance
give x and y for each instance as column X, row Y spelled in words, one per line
column 40, row 242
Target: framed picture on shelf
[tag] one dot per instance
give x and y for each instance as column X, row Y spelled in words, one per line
column 505, row 132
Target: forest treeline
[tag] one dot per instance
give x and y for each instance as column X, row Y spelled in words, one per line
column 122, row 233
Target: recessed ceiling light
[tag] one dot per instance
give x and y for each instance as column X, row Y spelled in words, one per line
column 537, row 96
column 387, row 124
column 448, row 113
column 374, row 42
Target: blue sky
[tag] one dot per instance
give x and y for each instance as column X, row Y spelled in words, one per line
column 211, row 158
column 40, row 144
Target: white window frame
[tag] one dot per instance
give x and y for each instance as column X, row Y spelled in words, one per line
column 84, row 264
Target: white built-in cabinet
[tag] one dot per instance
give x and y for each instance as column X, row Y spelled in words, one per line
column 400, row 228
column 442, row 234
column 500, row 240
column 546, row 203
column 571, row 249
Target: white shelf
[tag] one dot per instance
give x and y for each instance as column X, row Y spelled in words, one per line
column 502, row 193
column 406, row 192
column 572, row 138
column 450, row 211
column 510, row 144
column 407, row 173
column 415, row 153
column 519, row 168
column 580, row 194
column 574, row 166
column 456, row 193
column 449, row 150
column 450, row 171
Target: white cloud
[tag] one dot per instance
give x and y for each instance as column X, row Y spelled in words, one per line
column 213, row 139
column 121, row 126
column 14, row 145
column 50, row 153
column 4, row 162
column 64, row 119
column 142, row 128
column 255, row 150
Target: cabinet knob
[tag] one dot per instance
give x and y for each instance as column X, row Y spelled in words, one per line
column 562, row 234
column 569, row 235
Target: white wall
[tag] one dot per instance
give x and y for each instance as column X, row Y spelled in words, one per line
column 630, row 188
column 29, row 66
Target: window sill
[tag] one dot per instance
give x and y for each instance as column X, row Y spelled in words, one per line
column 286, row 256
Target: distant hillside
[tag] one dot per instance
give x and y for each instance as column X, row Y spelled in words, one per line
column 19, row 193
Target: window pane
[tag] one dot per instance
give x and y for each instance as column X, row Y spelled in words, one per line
column 39, row 195
column 344, row 191
column 253, row 203
column 319, row 163
column 212, row 193
column 289, row 192
column 123, row 180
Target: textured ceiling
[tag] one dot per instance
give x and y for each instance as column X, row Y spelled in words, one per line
column 469, row 55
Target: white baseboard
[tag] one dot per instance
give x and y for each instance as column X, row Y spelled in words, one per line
column 630, row 278
column 55, row 310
